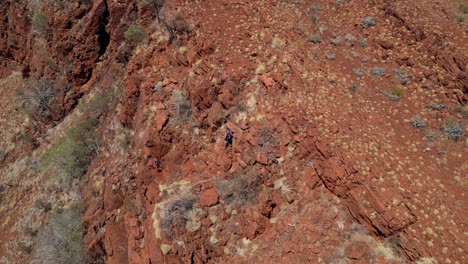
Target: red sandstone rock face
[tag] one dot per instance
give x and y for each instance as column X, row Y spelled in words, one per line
column 316, row 173
column 209, row 197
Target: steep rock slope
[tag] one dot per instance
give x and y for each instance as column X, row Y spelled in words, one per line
column 327, row 165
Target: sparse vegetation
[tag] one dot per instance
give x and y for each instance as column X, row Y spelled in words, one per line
column 368, row 21
column 157, row 6
column 315, row 7
column 330, row 56
column 176, row 25
column 40, row 22
column 238, row 190
column 175, row 214
column 135, row 33
column 314, row 39
column 98, row 104
column 350, row 38
column 463, row 8
column 182, row 106
column 69, row 159
column 358, row 72
column 436, row 106
column 43, row 205
column 418, row 122
column 453, row 130
column 378, row 71
column 336, row 41
column 266, row 137
column 38, row 99
column 431, row 135
column 61, row 239
column 402, row 75
column 362, row 42
column 395, row 94
column 2, row 154
column 354, row 88
column 463, row 110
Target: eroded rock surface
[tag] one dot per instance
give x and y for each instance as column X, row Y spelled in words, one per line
column 325, row 166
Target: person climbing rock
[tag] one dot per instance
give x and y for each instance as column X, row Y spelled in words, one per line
column 228, row 139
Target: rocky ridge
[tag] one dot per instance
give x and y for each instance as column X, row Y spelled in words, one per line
column 326, row 165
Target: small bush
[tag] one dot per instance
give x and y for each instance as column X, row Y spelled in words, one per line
column 182, row 106
column 61, row 239
column 432, row 135
column 135, row 33
column 38, row 99
column 402, row 75
column 157, row 6
column 315, row 19
column 40, row 22
column 70, row 157
column 358, row 72
column 354, row 88
column 340, row 2
column 266, row 137
column 238, row 190
column 176, row 25
column 362, row 42
column 30, row 231
column 43, row 205
column 2, row 154
column 463, row 110
column 396, row 93
column 330, row 56
column 315, row 7
column 350, row 38
column 454, row 131
column 417, row 122
column 435, row 106
column 378, row 71
column 336, row 41
column 98, row 104
column 314, row 39
column 463, row 8
column 176, row 213
column 368, row 21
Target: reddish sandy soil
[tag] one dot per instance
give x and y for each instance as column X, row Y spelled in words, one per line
column 326, row 165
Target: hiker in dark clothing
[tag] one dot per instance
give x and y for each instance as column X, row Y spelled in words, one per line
column 228, row 138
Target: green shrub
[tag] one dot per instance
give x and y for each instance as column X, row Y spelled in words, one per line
column 69, row 159
column 60, row 241
column 40, row 22
column 135, row 33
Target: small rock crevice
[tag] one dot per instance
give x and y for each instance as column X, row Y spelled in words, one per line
column 103, row 35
